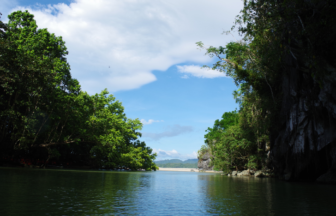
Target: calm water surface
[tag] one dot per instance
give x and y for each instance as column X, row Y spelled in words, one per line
column 64, row 192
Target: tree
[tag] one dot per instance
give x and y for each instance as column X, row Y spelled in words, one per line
column 34, row 75
column 214, row 133
column 44, row 113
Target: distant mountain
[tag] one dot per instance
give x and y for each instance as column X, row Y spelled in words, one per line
column 176, row 163
column 191, row 161
column 168, row 161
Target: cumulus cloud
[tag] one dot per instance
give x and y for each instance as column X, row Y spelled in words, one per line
column 173, row 154
column 197, row 71
column 170, row 132
column 117, row 44
column 150, row 121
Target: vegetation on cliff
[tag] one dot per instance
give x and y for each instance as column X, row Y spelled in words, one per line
column 284, row 67
column 45, row 118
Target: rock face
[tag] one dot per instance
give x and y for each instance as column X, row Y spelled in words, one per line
column 304, row 144
column 204, row 163
column 244, row 173
column 258, row 173
column 329, row 177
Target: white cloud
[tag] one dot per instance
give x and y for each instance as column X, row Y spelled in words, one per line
column 197, row 71
column 117, row 44
column 184, row 77
column 150, row 121
column 170, row 132
column 173, row 154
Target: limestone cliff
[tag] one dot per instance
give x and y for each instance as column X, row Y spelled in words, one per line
column 204, row 162
column 303, row 133
column 304, row 143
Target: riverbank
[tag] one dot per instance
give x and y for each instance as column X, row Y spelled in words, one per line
column 187, row 170
column 88, row 168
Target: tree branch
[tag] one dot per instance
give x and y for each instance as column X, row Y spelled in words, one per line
column 56, row 143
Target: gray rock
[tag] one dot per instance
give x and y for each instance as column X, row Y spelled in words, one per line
column 234, row 173
column 244, row 173
column 328, row 177
column 228, row 174
column 306, row 136
column 287, row 176
column 206, row 156
column 258, row 173
column 204, row 162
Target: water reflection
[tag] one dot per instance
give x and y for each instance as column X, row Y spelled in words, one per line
column 255, row 196
column 238, row 195
column 55, row 192
column 59, row 192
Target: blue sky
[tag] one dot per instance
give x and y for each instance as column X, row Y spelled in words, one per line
column 144, row 53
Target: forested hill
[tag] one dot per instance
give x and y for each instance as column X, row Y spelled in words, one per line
column 176, row 163
column 45, row 117
column 285, row 71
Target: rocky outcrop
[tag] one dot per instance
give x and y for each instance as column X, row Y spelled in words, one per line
column 244, row 173
column 328, row 177
column 204, row 162
column 257, row 173
column 303, row 146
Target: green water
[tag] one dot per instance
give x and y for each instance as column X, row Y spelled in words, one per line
column 64, row 192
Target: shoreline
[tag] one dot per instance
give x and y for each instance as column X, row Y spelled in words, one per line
column 187, row 170
column 87, row 168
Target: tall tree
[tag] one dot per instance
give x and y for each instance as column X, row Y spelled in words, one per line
column 44, row 112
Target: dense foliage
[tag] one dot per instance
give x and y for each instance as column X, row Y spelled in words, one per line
column 45, row 117
column 232, row 143
column 277, row 35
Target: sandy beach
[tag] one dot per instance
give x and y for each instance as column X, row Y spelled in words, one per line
column 187, row 170
column 179, row 169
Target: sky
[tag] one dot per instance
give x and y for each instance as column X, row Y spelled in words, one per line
column 144, row 52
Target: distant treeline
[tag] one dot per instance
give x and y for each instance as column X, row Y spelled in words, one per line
column 176, row 163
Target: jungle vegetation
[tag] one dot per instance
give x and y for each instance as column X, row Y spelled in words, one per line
column 274, row 34
column 45, row 117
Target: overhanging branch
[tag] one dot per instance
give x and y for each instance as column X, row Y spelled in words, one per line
column 55, row 143
column 63, row 143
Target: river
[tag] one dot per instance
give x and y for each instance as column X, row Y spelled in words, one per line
column 71, row 192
